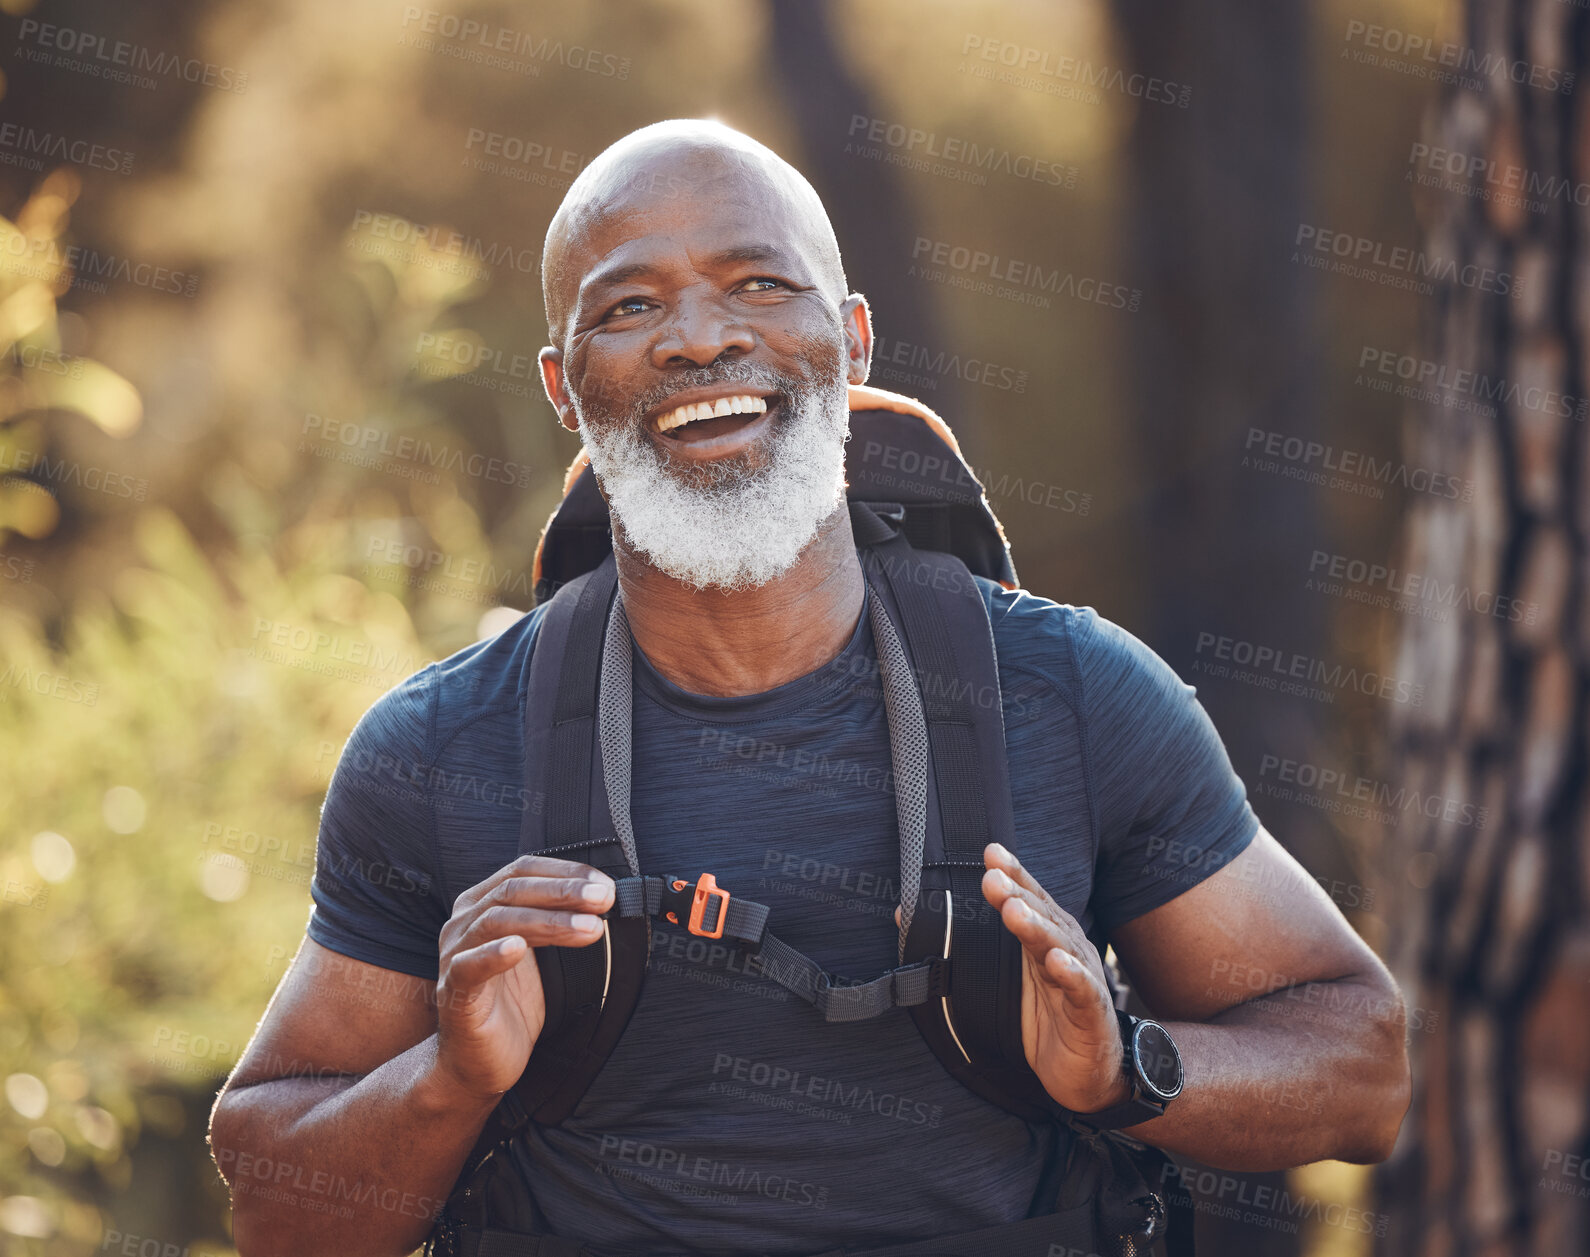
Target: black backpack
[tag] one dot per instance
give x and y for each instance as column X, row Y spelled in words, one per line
column 922, row 528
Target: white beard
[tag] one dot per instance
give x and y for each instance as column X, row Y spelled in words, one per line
column 732, row 527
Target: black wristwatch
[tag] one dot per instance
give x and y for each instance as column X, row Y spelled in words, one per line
column 1153, row 1070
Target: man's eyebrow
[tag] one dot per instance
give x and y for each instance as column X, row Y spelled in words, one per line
column 724, row 257
column 616, row 275
column 749, row 253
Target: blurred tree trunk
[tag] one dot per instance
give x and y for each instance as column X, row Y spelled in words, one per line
column 1492, row 942
column 869, row 207
column 1224, row 342
column 1225, row 339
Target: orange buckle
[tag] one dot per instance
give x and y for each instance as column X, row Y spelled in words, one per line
column 706, row 887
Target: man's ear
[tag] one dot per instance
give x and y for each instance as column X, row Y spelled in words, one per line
column 857, row 319
column 557, row 392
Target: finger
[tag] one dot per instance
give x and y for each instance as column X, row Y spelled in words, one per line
column 998, row 887
column 1060, row 929
column 1065, row 971
column 995, row 855
column 1085, row 1004
column 472, row 969
column 1000, row 890
column 1059, row 968
column 538, row 927
column 1051, row 948
column 527, row 866
column 546, row 893
column 1037, row 934
column 593, row 894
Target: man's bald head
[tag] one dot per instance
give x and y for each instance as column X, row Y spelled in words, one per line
column 684, row 162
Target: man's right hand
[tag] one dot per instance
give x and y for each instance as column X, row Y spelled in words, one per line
column 489, row 1004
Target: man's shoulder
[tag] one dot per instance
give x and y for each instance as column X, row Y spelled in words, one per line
column 1020, row 613
column 486, row 676
column 429, row 707
column 1074, row 646
column 1037, row 635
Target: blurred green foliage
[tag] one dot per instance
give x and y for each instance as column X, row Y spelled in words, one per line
column 169, row 739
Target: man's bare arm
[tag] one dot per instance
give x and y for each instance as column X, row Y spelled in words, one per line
column 350, row 1115
column 337, row 1131
column 1291, row 1031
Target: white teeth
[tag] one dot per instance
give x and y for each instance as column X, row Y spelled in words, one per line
column 743, row 404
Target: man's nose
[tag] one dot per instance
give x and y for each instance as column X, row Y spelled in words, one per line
column 699, row 331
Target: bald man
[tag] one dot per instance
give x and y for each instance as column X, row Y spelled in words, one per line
column 702, row 340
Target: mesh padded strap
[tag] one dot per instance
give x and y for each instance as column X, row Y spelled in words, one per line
column 949, row 640
column 908, row 748
column 615, row 715
column 568, row 766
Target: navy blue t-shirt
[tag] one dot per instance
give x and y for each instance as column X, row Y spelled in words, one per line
column 731, row 1118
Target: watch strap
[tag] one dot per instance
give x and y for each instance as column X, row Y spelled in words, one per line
column 1140, row 1105
column 1127, row 1113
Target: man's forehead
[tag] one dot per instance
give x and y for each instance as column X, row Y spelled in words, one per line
column 662, row 164
column 663, row 203
column 663, row 185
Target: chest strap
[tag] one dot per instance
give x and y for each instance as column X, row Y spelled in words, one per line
column 708, row 911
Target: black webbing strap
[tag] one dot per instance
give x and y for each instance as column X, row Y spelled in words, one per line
column 590, row 991
column 745, row 926
column 946, row 626
column 490, row 1242
column 903, row 987
column 566, row 665
column 1179, row 1218
column 745, row 922
column 950, row 640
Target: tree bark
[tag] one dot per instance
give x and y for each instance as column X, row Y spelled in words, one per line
column 1490, row 935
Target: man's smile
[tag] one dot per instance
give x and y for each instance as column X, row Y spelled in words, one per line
column 713, row 422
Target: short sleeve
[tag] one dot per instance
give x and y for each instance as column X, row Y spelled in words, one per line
column 375, row 889
column 1171, row 809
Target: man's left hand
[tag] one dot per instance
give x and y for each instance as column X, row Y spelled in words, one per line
column 1068, row 1025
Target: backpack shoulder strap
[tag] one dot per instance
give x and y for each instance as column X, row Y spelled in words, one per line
column 975, row 1030
column 591, row 991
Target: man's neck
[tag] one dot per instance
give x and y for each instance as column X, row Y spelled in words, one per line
column 712, row 642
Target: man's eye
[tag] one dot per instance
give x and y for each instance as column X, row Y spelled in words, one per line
column 749, row 285
column 624, row 306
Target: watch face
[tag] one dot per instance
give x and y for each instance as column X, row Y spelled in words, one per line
column 1157, row 1060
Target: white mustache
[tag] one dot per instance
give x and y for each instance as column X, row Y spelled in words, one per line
column 726, row 524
